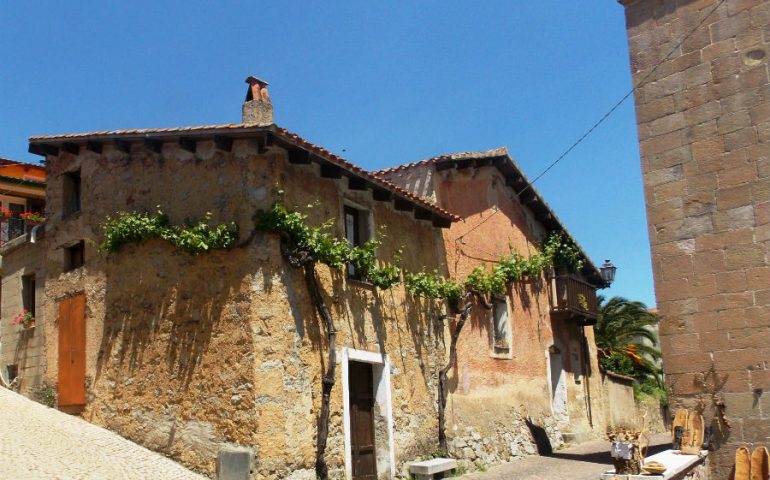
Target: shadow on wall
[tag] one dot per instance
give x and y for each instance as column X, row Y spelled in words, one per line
column 22, row 360
column 381, row 308
column 158, row 298
column 540, row 437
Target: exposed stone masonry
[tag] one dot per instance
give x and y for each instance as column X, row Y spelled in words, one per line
column 704, row 132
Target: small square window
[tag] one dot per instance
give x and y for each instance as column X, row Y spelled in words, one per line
column 501, row 327
column 71, row 193
column 28, row 293
column 357, row 231
column 74, row 256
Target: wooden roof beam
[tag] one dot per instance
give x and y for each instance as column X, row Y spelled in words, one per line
column 70, row 147
column 189, row 144
column 223, row 143
column 381, row 195
column 402, row 204
column 153, row 145
column 95, row 147
column 422, row 214
column 122, row 145
column 441, row 222
column 43, row 149
column 356, row 183
column 329, row 170
column 298, row 156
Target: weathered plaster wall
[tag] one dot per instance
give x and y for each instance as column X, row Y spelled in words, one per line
column 703, row 118
column 620, row 394
column 493, row 392
column 189, row 353
column 19, row 346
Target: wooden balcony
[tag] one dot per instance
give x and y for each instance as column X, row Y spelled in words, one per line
column 574, row 299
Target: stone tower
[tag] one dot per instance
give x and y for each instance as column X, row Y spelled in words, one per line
column 703, row 118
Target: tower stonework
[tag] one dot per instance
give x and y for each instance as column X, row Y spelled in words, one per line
column 703, row 120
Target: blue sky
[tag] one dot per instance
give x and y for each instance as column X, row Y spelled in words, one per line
column 380, row 83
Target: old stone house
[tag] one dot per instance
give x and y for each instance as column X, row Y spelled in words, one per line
column 703, row 114
column 187, row 353
column 528, row 362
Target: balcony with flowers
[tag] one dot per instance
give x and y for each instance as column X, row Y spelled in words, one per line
column 14, row 225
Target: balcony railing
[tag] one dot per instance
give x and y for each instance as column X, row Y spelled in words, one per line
column 575, row 298
column 11, row 228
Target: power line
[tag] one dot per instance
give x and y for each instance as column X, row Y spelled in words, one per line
column 623, row 99
column 605, row 116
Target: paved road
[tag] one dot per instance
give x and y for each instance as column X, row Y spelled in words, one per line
column 37, row 442
column 582, row 462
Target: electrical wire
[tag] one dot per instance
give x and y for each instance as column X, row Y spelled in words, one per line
column 605, row 116
column 623, row 99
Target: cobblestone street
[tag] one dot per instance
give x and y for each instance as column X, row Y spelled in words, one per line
column 42, row 443
column 582, row 462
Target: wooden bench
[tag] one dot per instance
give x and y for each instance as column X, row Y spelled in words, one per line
column 431, row 469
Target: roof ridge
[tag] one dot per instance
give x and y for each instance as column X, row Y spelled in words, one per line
column 498, row 151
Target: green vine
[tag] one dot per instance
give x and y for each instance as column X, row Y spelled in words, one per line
column 562, row 251
column 433, row 285
column 196, row 238
column 326, row 248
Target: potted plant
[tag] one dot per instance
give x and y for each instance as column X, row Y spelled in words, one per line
column 5, row 213
column 32, row 217
column 25, row 318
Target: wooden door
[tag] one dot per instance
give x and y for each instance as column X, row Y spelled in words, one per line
column 361, row 388
column 72, row 353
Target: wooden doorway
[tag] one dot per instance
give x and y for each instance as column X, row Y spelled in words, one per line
column 361, row 396
column 72, row 354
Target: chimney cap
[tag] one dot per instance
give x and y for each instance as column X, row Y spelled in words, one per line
column 251, row 80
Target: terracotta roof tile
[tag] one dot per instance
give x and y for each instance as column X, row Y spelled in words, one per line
column 500, row 152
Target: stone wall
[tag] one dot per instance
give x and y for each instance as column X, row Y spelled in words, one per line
column 186, row 354
column 19, row 346
column 704, row 131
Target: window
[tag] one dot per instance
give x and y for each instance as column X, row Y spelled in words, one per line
column 74, row 256
column 71, row 193
column 501, row 326
column 357, row 230
column 28, row 293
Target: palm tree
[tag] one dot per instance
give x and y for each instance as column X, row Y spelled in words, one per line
column 621, row 326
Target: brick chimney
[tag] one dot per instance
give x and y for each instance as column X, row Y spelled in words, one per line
column 257, row 109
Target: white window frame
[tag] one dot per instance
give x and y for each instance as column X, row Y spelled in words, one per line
column 381, row 365
column 509, row 329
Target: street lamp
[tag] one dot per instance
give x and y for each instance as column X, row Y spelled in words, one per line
column 608, row 272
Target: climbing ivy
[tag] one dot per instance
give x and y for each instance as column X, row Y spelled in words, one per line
column 196, row 238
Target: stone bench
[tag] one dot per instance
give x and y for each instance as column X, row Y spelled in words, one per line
column 430, row 469
column 678, row 465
